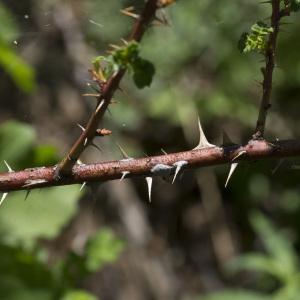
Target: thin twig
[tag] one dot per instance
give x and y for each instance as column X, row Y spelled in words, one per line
column 268, row 70
column 148, row 166
column 87, row 136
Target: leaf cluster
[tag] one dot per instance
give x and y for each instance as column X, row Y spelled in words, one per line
column 256, row 39
column 126, row 57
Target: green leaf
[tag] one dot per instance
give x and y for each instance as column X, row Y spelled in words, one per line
column 103, row 248
column 126, row 55
column 277, row 245
column 43, row 215
column 256, row 262
column 44, row 155
column 8, row 28
column 78, row 295
column 256, row 40
column 143, row 72
column 22, row 74
column 16, row 141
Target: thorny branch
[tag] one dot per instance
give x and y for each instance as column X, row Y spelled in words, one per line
column 205, row 154
column 164, row 165
column 104, row 99
column 268, row 70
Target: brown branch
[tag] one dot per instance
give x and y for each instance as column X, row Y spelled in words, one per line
column 149, row 166
column 268, row 70
column 87, row 136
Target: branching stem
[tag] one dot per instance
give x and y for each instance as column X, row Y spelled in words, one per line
column 87, row 136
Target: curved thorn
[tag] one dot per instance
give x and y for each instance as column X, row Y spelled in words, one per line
column 178, row 165
column 233, row 166
column 81, row 127
column 203, row 142
column 124, row 173
column 149, row 181
column 239, row 154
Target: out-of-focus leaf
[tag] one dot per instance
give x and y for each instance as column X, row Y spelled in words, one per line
column 257, row 263
column 43, row 214
column 235, row 295
column 103, row 248
column 8, row 28
column 16, row 141
column 277, row 245
column 45, row 155
column 16, row 284
column 295, row 5
column 78, row 295
column 22, row 74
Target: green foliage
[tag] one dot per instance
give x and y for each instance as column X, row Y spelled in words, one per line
column 280, row 262
column 126, row 57
column 22, row 74
column 295, row 5
column 103, row 248
column 256, row 40
column 78, row 295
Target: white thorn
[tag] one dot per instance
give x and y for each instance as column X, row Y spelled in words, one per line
column 124, row 173
column 3, row 197
column 149, row 184
column 163, row 151
column 82, row 186
column 124, row 154
column 203, row 142
column 233, row 166
column 85, row 142
column 178, row 165
column 79, row 162
column 239, row 154
column 99, row 106
column 33, row 182
column 81, row 127
column 10, row 170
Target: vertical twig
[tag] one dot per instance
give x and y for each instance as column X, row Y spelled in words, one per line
column 268, row 70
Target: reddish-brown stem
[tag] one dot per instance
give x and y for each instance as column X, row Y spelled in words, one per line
column 268, row 71
column 100, row 172
column 87, row 136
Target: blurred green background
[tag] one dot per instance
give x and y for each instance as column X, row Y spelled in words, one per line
column 196, row 240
